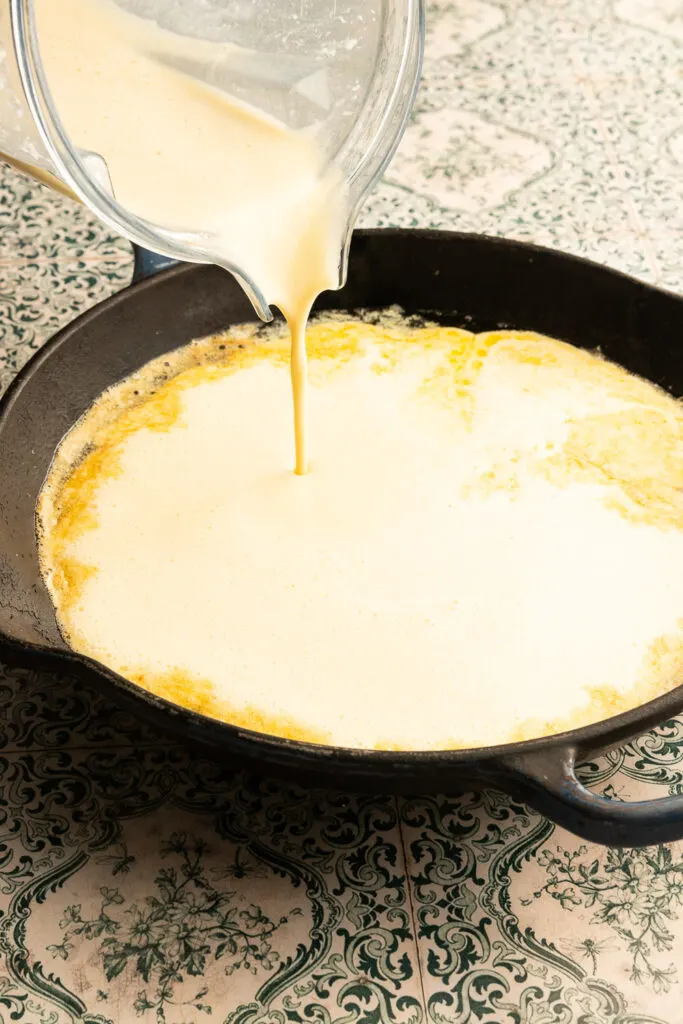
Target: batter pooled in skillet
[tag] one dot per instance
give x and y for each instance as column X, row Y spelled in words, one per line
column 488, row 545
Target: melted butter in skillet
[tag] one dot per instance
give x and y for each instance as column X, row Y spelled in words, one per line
column 488, row 547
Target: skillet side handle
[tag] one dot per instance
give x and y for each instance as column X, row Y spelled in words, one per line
column 551, row 786
column 148, row 264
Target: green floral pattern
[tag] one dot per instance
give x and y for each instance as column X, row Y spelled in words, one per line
column 140, row 882
column 638, row 894
column 166, row 938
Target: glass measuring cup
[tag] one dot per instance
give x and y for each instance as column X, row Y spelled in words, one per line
column 343, row 71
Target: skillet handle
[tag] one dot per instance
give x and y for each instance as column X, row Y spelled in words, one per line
column 147, row 264
column 552, row 787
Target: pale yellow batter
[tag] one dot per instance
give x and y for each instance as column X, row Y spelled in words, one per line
column 488, row 546
column 191, row 160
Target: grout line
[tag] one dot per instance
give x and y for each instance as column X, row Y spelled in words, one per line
column 411, row 907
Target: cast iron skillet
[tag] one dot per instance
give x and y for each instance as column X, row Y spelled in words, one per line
column 480, row 283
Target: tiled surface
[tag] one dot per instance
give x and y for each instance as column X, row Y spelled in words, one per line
column 139, row 883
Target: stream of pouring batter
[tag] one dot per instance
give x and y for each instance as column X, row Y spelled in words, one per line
column 185, row 156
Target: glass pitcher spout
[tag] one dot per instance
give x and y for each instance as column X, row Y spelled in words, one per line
column 335, row 76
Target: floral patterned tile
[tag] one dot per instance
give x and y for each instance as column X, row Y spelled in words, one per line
column 140, row 881
column 38, row 297
column 56, row 261
column 137, row 882
column 506, row 140
column 658, row 16
column 36, row 224
column 520, row 921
